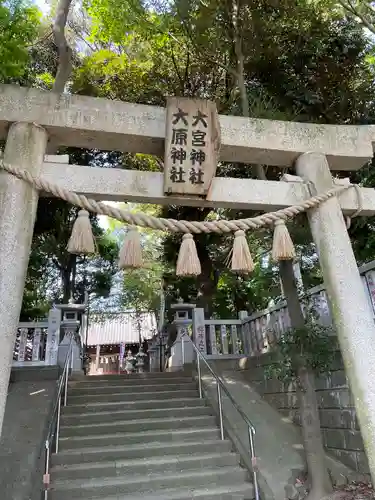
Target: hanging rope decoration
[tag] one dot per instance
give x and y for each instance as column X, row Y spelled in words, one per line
column 282, row 246
column 188, row 261
column 130, row 256
column 82, row 240
column 241, row 261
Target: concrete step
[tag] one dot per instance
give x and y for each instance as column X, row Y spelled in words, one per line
column 134, row 376
column 242, row 491
column 94, row 382
column 136, row 425
column 94, row 406
column 139, row 451
column 113, row 415
column 135, row 396
column 125, row 485
column 130, row 389
column 142, row 466
column 150, row 437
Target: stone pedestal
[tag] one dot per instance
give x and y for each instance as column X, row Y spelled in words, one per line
column 348, row 303
column 69, row 331
column 25, row 148
column 152, row 352
column 181, row 353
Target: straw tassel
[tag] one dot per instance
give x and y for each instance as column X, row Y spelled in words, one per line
column 282, row 248
column 81, row 240
column 188, row 262
column 131, row 251
column 242, row 262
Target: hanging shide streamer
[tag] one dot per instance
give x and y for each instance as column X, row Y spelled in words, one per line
column 188, row 262
column 81, row 241
column 242, row 261
column 131, row 251
column 282, row 247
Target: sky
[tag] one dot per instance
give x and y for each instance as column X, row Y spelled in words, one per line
column 42, row 4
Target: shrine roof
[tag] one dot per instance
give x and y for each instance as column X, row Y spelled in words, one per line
column 122, row 327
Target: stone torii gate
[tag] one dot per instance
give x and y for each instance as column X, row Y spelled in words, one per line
column 30, row 118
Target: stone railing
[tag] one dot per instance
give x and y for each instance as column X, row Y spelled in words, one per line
column 224, row 337
column 247, row 335
column 30, row 343
column 263, row 327
column 39, row 343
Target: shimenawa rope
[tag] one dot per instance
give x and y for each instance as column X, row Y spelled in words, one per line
column 82, row 240
column 173, row 225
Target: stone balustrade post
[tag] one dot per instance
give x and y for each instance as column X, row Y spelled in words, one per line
column 199, row 329
column 245, row 333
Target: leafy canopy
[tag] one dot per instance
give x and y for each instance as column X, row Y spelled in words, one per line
column 19, row 27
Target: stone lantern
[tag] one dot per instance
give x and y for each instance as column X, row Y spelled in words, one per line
column 70, row 327
column 129, row 362
column 182, row 353
column 140, row 360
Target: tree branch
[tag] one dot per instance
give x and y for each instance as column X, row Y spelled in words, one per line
column 57, row 264
column 182, row 81
column 78, row 34
column 65, row 52
column 349, row 7
column 40, row 40
column 204, row 53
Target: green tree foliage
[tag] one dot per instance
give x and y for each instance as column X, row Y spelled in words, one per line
column 310, row 346
column 361, row 11
column 54, row 275
column 300, row 60
column 139, row 289
column 19, row 28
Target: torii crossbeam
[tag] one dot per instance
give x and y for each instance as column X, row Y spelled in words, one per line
column 29, row 118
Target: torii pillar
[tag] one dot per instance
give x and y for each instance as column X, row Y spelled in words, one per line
column 348, row 303
column 25, row 147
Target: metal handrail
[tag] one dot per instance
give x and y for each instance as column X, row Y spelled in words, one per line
column 222, row 387
column 54, row 426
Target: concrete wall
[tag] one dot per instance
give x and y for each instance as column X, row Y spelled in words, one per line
column 29, row 404
column 339, row 424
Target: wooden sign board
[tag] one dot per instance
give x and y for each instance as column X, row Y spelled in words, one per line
column 192, row 143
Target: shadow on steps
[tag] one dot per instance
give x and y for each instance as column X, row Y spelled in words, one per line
column 29, row 404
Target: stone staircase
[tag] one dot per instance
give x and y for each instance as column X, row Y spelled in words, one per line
column 144, row 436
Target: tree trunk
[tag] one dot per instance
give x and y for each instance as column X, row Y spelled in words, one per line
column 65, row 52
column 206, row 281
column 66, row 284
column 320, row 484
column 73, row 260
column 68, row 278
column 206, row 291
column 312, row 436
column 259, row 170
